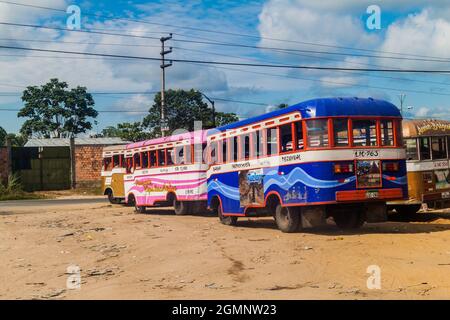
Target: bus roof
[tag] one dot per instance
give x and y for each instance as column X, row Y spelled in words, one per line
column 327, row 107
column 195, row 136
column 425, row 127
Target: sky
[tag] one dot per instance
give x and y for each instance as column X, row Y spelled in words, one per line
column 412, row 35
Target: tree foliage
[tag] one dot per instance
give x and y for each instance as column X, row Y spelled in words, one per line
column 3, row 135
column 183, row 108
column 55, row 111
column 127, row 131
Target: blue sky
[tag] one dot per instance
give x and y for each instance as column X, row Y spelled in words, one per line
column 409, row 29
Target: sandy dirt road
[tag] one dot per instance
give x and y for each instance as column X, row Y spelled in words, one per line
column 124, row 255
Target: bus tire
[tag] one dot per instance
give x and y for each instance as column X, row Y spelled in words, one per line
column 181, row 207
column 111, row 198
column 226, row 220
column 287, row 219
column 349, row 220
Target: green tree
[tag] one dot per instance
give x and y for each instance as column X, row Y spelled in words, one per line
column 17, row 140
column 127, row 131
column 223, row 118
column 55, row 111
column 183, row 108
column 3, row 135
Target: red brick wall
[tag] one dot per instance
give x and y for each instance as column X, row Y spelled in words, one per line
column 88, row 166
column 3, row 164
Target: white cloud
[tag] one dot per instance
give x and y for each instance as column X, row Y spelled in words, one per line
column 419, row 34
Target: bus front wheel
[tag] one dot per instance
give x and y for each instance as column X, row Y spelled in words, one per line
column 287, row 219
column 226, row 220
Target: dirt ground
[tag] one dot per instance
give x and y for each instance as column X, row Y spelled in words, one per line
column 124, row 255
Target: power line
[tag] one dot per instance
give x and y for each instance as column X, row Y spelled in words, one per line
column 231, row 63
column 276, row 49
column 221, row 32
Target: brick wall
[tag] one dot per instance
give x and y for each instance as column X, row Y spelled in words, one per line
column 88, row 166
column 3, row 164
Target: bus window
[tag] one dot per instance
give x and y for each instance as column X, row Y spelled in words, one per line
column 116, row 161
column 317, row 131
column 399, row 132
column 198, row 152
column 424, row 148
column 272, row 141
column 213, row 152
column 145, row 159
column 188, row 154
column 161, row 157
column 364, row 133
column 234, row 149
column 137, row 160
column 224, row 150
column 129, row 164
column 152, row 159
column 387, row 133
column 340, row 132
column 245, row 147
column 257, row 150
column 438, row 148
column 411, row 149
column 286, row 138
column 299, row 135
column 123, row 162
column 170, row 157
column 179, row 155
column 107, row 164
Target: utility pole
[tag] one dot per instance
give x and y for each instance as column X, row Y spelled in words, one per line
column 402, row 98
column 164, row 65
column 213, row 109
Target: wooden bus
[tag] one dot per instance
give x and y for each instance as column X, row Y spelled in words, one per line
column 167, row 171
column 113, row 171
column 427, row 150
column 337, row 157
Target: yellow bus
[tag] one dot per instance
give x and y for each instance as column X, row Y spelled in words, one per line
column 113, row 171
column 427, row 150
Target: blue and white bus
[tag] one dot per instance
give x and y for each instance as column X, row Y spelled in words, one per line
column 335, row 157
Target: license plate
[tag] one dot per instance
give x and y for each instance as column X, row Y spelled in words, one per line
column 372, row 194
column 446, row 195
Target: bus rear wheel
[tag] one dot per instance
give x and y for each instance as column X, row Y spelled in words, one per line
column 287, row 219
column 181, row 207
column 226, row 220
column 349, row 220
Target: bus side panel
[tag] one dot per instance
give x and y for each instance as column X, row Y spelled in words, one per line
column 155, row 187
column 301, row 184
column 226, row 187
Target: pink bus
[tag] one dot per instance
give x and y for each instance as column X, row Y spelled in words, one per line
column 167, row 171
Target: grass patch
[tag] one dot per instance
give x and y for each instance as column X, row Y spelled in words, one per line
column 12, row 190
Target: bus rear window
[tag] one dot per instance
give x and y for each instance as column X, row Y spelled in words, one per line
column 317, row 133
column 340, row 132
column 364, row 133
column 387, row 132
